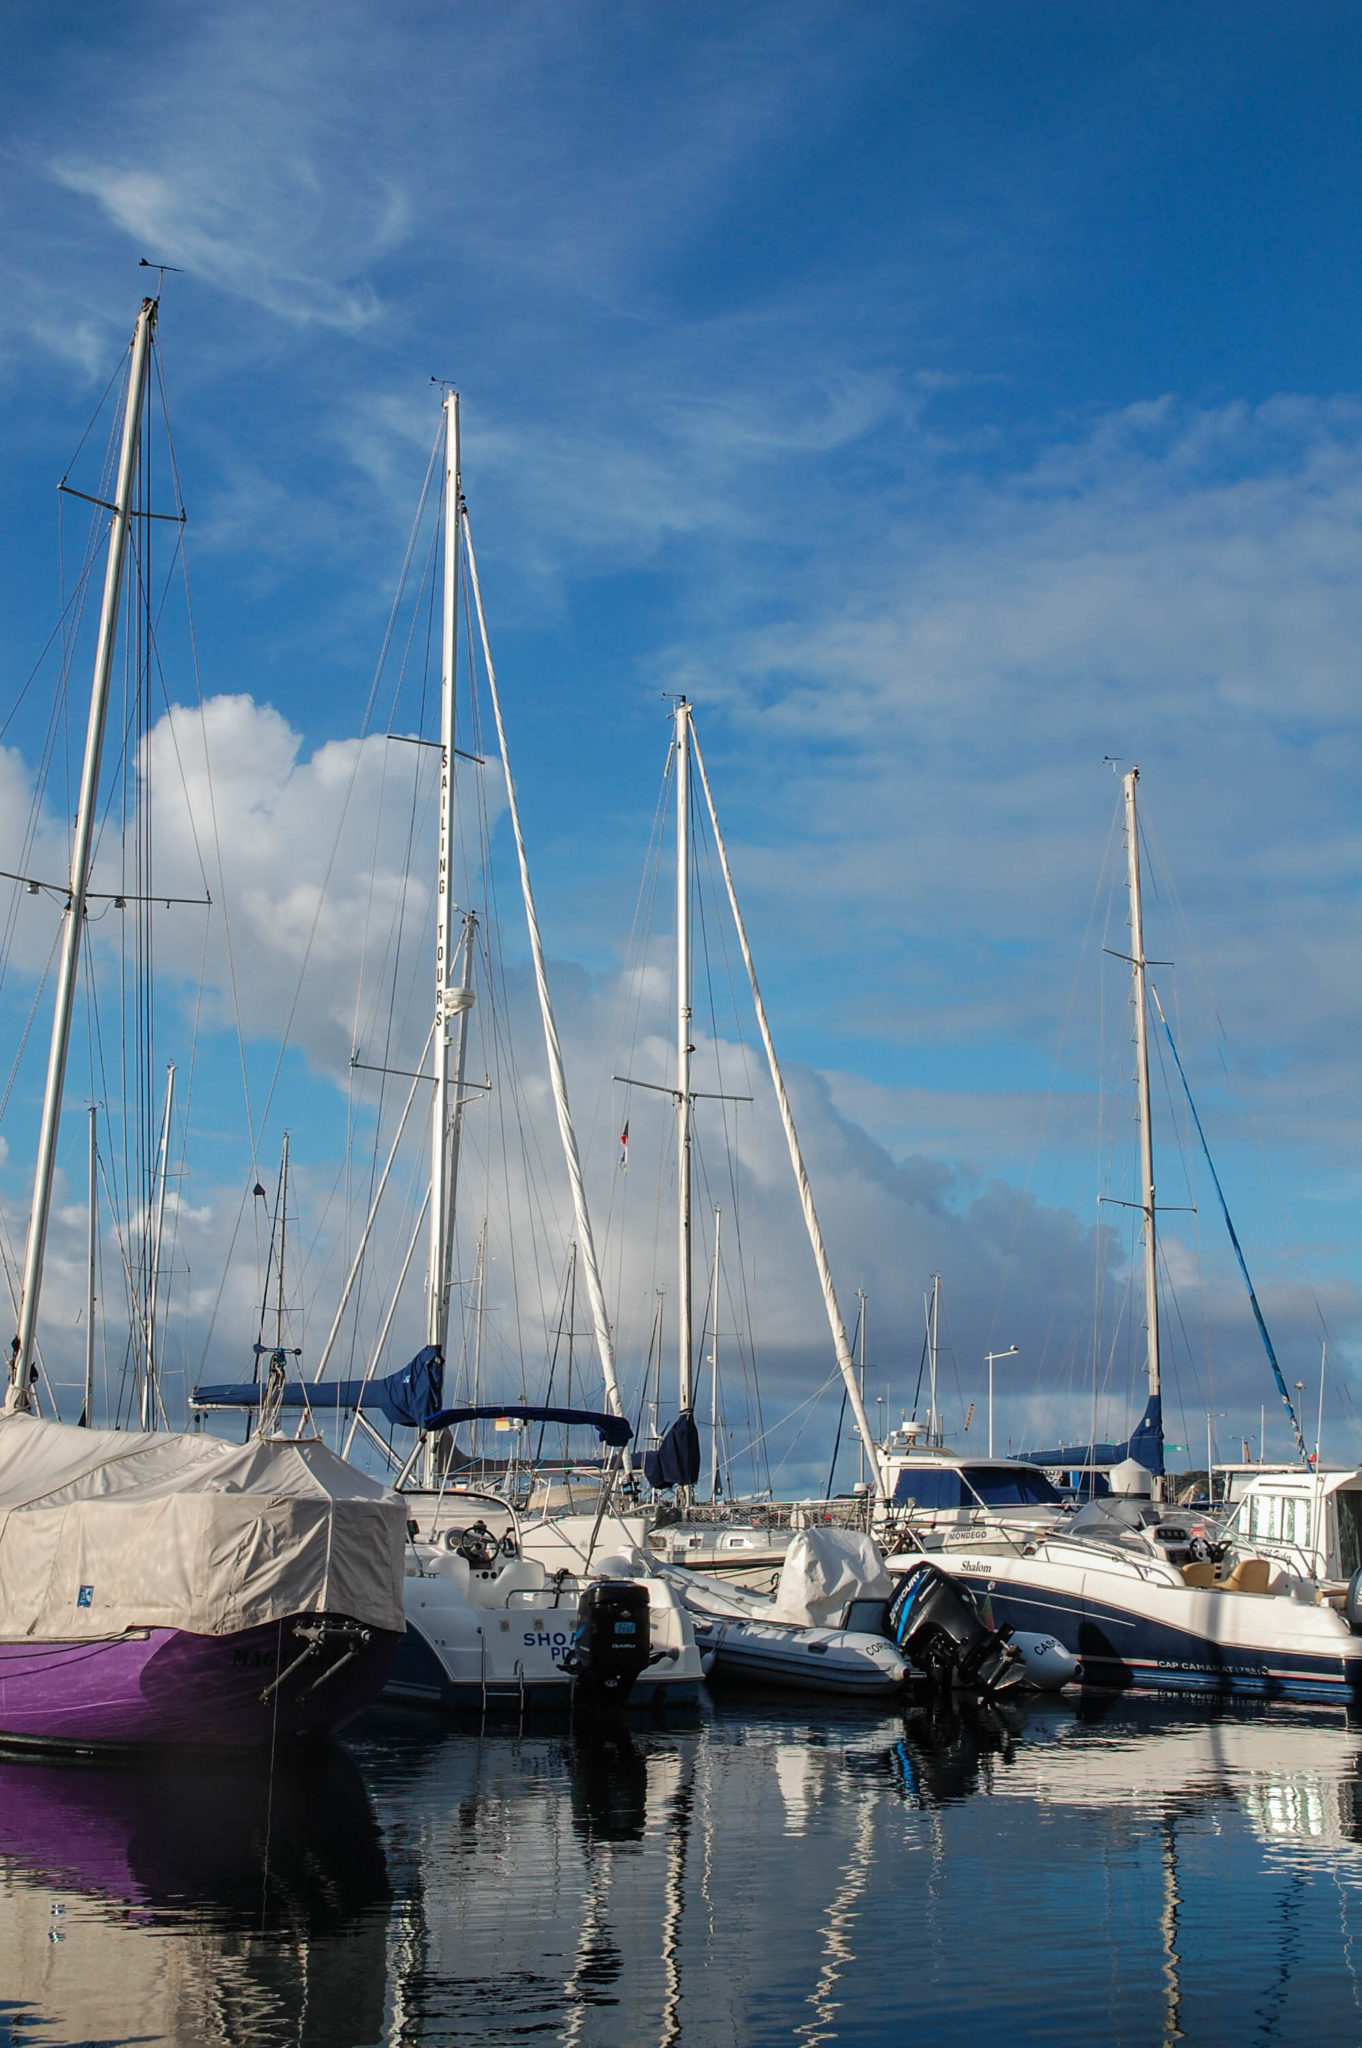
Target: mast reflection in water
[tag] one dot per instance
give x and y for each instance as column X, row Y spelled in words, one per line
column 1149, row 1874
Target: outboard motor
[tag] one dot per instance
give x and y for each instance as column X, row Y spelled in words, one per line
column 611, row 1644
column 935, row 1623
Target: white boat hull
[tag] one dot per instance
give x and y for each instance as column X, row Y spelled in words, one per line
column 505, row 1649
column 1137, row 1626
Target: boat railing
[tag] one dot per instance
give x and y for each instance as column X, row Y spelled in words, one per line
column 778, row 1514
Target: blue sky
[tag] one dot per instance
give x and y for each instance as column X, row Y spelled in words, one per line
column 944, row 396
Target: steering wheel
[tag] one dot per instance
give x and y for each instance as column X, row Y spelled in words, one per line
column 477, row 1546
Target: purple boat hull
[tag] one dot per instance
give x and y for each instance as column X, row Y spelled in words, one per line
column 168, row 1689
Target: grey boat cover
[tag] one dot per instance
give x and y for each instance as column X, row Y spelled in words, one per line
column 824, row 1571
column 107, row 1530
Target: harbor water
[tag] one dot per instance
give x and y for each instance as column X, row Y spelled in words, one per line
column 1139, row 1872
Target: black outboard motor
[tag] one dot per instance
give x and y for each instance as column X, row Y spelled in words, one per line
column 611, row 1644
column 935, row 1622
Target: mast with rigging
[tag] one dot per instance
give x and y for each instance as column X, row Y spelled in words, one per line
column 685, row 1398
column 22, row 1363
column 1138, row 966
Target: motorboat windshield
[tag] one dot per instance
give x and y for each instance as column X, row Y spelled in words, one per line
column 936, row 1487
column 1111, row 1516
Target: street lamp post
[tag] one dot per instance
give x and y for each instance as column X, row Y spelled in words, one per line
column 1300, row 1404
column 1210, row 1459
column 1010, row 1352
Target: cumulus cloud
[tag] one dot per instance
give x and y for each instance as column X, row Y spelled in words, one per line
column 316, row 864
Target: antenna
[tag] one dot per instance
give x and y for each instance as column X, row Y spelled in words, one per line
column 145, row 263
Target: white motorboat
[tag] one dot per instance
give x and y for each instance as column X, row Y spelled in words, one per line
column 490, row 1627
column 1151, row 1597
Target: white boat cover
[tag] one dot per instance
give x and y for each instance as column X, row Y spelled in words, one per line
column 824, row 1569
column 102, row 1531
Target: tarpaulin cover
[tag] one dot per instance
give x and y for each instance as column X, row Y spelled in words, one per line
column 611, row 1429
column 676, row 1461
column 824, row 1570
column 102, row 1531
column 1144, row 1444
column 405, row 1397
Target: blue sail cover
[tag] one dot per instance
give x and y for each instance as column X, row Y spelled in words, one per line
column 404, row 1398
column 611, row 1429
column 676, row 1461
column 1144, row 1444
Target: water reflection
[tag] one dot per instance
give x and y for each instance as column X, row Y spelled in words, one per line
column 609, row 1787
column 783, row 1872
column 193, row 1903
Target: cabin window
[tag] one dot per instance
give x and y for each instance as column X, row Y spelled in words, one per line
column 1349, row 1507
column 929, row 1488
column 1279, row 1518
column 1265, row 1517
column 1007, row 1486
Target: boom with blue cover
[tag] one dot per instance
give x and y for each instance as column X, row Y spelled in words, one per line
column 611, row 1429
column 404, row 1398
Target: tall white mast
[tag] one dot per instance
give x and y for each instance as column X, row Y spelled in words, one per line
column 1137, row 968
column 460, row 1003
column 82, row 853
column 150, row 1390
column 934, row 1430
column 449, row 1000
column 91, row 1265
column 860, row 1454
column 714, row 1366
column 684, row 1048
column 845, row 1363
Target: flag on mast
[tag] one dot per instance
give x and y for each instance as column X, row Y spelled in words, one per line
column 624, row 1146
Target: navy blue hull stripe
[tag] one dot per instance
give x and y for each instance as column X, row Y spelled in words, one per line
column 1122, row 1650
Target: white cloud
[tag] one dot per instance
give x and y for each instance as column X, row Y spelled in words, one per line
column 314, row 854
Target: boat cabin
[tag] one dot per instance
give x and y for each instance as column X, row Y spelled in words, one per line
column 938, row 1491
column 1310, row 1521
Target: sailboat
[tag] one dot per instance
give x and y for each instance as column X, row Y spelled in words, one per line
column 506, row 1610
column 1144, row 1594
column 159, row 1588
column 674, row 1465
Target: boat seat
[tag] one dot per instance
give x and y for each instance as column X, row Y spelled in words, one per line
column 1250, row 1575
column 1198, row 1574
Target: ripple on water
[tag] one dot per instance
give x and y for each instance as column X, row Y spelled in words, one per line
column 784, row 1871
